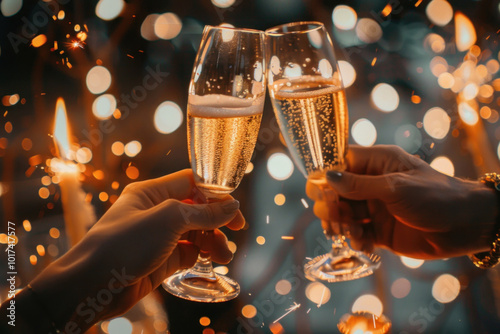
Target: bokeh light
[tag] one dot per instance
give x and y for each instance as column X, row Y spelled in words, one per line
column 223, row 3
column 412, row 263
column 364, row 132
column 280, row 166
column 279, row 199
column 467, row 114
column 104, row 106
column 443, row 165
column 167, row 26
column 385, row 97
column 439, row 12
column 408, row 137
column 435, row 43
column 168, row 117
column 344, row 17
column 249, row 311
column 204, row 321
column 318, row 293
column 39, row 40
column 120, row 326
column 368, row 30
column 283, row 287
column 83, row 155
column 133, row 148
column 10, row 7
column 260, row 240
column 446, row 288
column 368, row 303
column 446, row 80
column 54, row 233
column 347, row 72
column 437, row 123
column 118, row 148
column 400, row 288
column 148, row 27
column 27, row 225
column 98, row 79
column 132, row 172
column 109, row 9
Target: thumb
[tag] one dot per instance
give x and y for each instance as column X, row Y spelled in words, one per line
column 204, row 216
column 362, row 187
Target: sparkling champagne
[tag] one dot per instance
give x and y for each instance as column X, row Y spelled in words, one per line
column 222, row 132
column 312, row 115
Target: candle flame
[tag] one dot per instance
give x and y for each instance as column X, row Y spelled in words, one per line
column 465, row 33
column 61, row 131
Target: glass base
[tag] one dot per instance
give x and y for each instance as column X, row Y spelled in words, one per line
column 188, row 285
column 341, row 264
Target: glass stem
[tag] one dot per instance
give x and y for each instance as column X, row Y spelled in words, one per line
column 203, row 266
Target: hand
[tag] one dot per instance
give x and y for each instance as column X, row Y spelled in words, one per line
column 395, row 200
column 133, row 248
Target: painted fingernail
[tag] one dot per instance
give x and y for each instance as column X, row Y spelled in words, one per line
column 230, row 207
column 334, row 176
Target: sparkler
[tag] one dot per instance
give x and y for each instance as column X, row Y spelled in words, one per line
column 294, row 307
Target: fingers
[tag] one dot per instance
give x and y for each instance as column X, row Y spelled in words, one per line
column 380, row 159
column 182, row 217
column 363, row 187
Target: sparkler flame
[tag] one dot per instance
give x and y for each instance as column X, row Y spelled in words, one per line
column 61, row 131
column 465, row 33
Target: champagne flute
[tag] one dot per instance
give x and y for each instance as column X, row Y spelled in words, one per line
column 311, row 108
column 225, row 104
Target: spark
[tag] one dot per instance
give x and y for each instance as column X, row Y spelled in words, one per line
column 130, row 56
column 304, row 203
column 418, row 3
column 374, row 60
column 76, row 44
column 294, row 307
column 374, row 324
column 322, row 295
column 286, row 237
column 169, row 152
column 308, row 310
column 267, row 219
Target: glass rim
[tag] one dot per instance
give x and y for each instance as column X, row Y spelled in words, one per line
column 246, row 30
column 274, row 31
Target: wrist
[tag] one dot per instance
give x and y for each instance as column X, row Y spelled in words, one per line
column 484, row 211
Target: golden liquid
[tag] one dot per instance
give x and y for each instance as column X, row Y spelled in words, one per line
column 313, row 119
column 220, row 149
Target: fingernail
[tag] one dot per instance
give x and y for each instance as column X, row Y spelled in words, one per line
column 230, row 207
column 333, row 176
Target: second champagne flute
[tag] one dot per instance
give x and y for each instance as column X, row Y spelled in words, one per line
column 311, row 108
column 225, row 104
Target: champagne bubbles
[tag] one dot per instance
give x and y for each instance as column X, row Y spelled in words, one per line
column 98, row 79
column 344, row 17
column 197, row 73
column 315, row 39
column 443, row 165
column 168, row 117
column 279, row 166
column 325, row 68
column 437, row 123
column 439, row 12
column 446, row 288
column 364, row 132
column 385, row 97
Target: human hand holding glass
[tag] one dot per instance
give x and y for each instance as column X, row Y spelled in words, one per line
column 311, row 108
column 225, row 104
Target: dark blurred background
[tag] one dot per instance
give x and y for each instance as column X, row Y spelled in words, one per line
column 419, row 74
